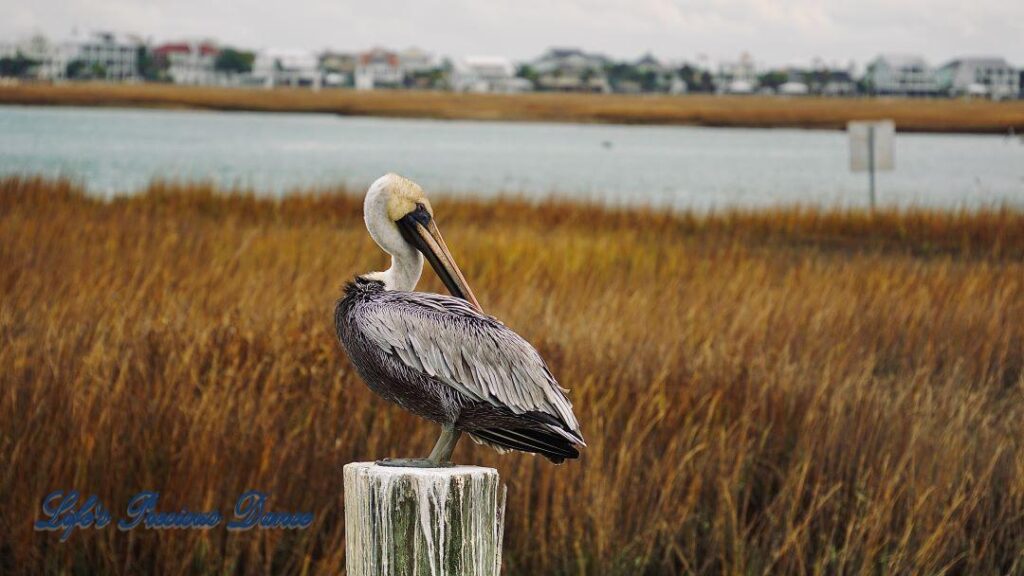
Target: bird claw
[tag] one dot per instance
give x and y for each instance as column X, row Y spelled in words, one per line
column 413, row 463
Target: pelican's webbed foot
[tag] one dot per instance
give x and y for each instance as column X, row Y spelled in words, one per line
column 413, row 463
column 440, row 456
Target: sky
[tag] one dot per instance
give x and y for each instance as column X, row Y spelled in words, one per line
column 772, row 32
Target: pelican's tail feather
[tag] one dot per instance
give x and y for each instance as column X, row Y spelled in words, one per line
column 552, row 446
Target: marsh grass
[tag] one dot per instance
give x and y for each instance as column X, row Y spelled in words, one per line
column 910, row 114
column 783, row 391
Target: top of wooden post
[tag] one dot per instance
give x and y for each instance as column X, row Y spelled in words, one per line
column 408, row 471
column 436, row 521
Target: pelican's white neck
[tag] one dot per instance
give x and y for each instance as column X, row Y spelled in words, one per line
column 403, row 274
column 406, row 261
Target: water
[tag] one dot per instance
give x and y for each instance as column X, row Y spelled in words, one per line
column 119, row 151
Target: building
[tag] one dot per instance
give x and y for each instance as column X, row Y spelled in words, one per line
column 570, row 70
column 658, row 77
column 649, row 64
column 339, row 68
column 486, row 74
column 287, row 68
column 739, row 77
column 102, row 55
column 189, row 62
column 420, row 70
column 106, row 55
column 792, row 88
column 837, row 83
column 415, row 61
column 378, row 68
column 646, row 74
column 900, row 75
column 991, row 77
column 49, row 61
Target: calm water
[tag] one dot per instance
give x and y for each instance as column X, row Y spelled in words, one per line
column 118, row 151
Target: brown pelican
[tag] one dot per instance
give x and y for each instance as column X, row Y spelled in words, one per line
column 440, row 357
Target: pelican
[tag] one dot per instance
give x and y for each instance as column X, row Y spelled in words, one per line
column 440, row 357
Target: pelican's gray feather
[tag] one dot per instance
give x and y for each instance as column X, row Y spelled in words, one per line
column 439, row 358
column 475, row 354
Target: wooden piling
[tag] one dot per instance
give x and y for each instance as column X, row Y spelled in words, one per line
column 431, row 521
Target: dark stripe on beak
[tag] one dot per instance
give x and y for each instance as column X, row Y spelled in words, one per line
column 419, row 230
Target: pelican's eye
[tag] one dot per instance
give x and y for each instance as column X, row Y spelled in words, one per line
column 420, row 214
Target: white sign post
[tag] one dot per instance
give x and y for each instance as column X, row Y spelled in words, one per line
column 871, row 149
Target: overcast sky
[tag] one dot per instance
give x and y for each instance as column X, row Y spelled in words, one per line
column 773, row 32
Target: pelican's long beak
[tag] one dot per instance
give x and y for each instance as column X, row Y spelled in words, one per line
column 418, row 228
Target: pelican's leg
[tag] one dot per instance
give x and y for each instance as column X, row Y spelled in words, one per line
column 442, row 452
column 440, row 456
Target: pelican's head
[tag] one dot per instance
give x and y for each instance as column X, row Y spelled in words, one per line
column 401, row 221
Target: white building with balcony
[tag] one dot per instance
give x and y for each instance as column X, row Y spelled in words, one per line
column 487, row 74
column 189, row 62
column 378, row 68
column 287, row 68
column 110, row 56
column 901, row 75
column 991, row 77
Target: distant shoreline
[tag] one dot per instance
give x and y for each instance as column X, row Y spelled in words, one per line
column 910, row 115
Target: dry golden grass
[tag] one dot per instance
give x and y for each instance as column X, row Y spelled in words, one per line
column 912, row 115
column 789, row 391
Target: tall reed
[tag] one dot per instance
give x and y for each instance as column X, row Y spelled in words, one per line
column 783, row 391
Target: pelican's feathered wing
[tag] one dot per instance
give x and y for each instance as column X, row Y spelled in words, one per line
column 490, row 381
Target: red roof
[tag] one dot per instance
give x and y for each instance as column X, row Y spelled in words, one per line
column 378, row 54
column 185, row 48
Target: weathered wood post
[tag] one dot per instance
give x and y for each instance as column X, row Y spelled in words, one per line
column 435, row 521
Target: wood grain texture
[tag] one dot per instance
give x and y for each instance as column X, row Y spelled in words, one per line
column 427, row 521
